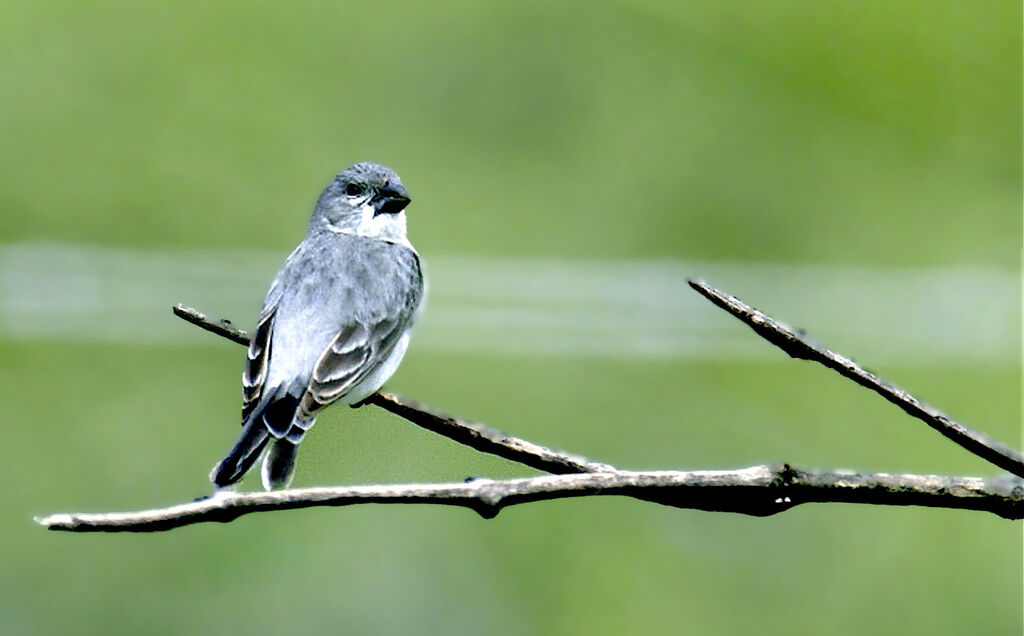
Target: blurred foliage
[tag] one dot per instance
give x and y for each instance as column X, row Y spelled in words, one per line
column 865, row 132
column 873, row 133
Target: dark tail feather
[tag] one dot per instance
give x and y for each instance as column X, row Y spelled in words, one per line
column 273, row 419
column 246, row 451
column 279, row 464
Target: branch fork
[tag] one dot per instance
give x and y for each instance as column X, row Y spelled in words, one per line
column 757, row 490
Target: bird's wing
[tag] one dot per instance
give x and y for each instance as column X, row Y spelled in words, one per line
column 366, row 339
column 256, row 363
column 353, row 354
column 255, row 431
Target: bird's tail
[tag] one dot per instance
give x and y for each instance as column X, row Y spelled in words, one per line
column 273, row 420
column 279, row 464
column 245, row 452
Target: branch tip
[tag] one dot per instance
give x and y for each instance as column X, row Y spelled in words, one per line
column 798, row 344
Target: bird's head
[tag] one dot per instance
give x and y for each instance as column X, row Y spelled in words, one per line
column 367, row 200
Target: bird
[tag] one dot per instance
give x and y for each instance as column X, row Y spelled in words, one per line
column 335, row 323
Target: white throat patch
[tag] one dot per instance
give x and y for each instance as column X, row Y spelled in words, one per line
column 384, row 227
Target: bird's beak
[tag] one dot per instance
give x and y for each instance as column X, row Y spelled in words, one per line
column 391, row 199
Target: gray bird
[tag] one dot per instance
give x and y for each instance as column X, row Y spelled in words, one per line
column 335, row 323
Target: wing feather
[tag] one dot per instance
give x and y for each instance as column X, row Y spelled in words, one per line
column 354, row 354
column 255, row 374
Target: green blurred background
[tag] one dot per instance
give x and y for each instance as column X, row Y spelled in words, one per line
column 872, row 134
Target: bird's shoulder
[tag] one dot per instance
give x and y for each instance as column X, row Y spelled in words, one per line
column 347, row 277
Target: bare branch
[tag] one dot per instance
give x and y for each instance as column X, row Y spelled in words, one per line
column 222, row 328
column 486, row 439
column 472, row 434
column 798, row 345
column 759, row 491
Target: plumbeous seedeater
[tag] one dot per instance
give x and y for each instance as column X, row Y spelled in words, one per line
column 335, row 323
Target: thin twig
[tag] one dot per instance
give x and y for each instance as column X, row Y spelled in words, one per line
column 758, row 491
column 222, row 328
column 798, row 345
column 486, row 439
column 476, row 436
column 472, row 434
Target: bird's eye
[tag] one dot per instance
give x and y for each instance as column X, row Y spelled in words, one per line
column 354, row 189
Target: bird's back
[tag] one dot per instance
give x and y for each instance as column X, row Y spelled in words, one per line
column 332, row 281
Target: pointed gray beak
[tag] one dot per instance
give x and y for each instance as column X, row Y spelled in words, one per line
column 391, row 199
